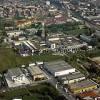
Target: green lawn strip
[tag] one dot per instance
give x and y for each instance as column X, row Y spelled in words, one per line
column 9, row 59
column 43, row 91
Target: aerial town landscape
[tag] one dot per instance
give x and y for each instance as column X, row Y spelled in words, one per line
column 49, row 49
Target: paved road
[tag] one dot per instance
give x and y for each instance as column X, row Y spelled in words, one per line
column 59, row 87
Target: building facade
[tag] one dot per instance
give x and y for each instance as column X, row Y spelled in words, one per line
column 83, row 86
column 36, row 73
column 71, row 78
column 58, row 68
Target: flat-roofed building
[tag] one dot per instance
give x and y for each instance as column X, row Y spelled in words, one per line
column 16, row 74
column 59, row 68
column 66, row 44
column 83, row 86
column 14, row 33
column 88, row 39
column 71, row 44
column 36, row 73
column 71, row 78
column 15, row 77
column 26, row 47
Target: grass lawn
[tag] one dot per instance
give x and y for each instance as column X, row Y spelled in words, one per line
column 43, row 91
column 8, row 59
column 76, row 32
column 30, row 98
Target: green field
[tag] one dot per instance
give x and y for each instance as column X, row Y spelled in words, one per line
column 9, row 59
column 43, row 91
column 70, row 28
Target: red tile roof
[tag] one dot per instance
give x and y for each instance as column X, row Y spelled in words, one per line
column 90, row 94
column 50, row 21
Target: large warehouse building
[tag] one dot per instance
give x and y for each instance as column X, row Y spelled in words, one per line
column 58, row 68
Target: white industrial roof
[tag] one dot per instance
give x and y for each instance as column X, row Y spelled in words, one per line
column 57, row 66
